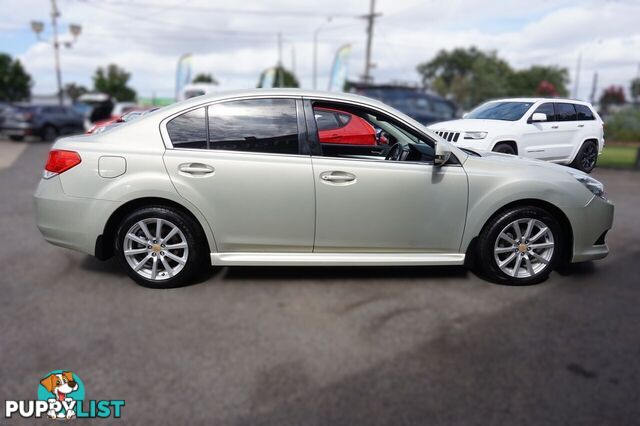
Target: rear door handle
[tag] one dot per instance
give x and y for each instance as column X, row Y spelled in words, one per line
column 554, row 127
column 580, row 125
column 196, row 169
column 337, row 176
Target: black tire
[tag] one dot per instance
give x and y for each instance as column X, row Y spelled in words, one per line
column 16, row 138
column 487, row 243
column 197, row 260
column 587, row 157
column 49, row 133
column 504, row 148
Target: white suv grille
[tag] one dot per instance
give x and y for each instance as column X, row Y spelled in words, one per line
column 448, row 135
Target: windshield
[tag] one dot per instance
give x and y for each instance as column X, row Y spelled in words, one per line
column 508, row 111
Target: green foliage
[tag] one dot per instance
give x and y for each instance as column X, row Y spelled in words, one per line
column 15, row 83
column 113, row 82
column 471, row 76
column 283, row 78
column 624, row 125
column 205, row 78
column 74, row 91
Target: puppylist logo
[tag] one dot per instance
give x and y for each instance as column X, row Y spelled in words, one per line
column 61, row 395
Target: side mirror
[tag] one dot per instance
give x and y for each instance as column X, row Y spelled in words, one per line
column 538, row 116
column 465, row 115
column 442, row 154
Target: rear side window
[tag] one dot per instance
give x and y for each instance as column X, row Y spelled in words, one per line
column 547, row 108
column 189, row 130
column 584, row 112
column 254, row 125
column 326, row 120
column 565, row 112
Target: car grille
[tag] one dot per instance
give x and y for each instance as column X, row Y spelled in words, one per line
column 448, row 136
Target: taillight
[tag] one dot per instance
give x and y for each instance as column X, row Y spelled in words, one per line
column 60, row 161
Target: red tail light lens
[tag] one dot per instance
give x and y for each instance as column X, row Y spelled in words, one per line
column 60, row 161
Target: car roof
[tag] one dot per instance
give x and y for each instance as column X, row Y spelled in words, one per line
column 563, row 100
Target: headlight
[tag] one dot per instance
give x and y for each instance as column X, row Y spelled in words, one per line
column 475, row 135
column 596, row 187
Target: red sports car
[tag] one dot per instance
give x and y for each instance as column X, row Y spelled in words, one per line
column 341, row 127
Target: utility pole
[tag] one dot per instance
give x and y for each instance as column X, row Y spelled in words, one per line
column 370, row 17
column 56, row 47
column 280, row 69
column 577, row 84
column 594, row 87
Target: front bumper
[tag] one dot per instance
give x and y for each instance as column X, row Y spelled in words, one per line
column 70, row 222
column 590, row 224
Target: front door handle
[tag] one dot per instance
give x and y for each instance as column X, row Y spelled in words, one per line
column 196, row 169
column 337, row 176
column 580, row 125
column 554, row 127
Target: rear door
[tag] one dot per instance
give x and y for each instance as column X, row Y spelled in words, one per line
column 243, row 164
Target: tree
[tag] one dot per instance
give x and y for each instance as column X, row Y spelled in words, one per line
column 612, row 95
column 74, row 91
column 471, row 76
column 635, row 90
column 113, row 82
column 281, row 78
column 539, row 81
column 15, row 82
column 205, row 78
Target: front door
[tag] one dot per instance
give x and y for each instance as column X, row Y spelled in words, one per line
column 240, row 164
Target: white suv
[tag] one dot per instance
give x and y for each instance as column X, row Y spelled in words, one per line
column 557, row 130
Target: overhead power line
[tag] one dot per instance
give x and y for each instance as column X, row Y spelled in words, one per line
column 256, row 12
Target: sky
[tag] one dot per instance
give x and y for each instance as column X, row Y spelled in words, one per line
column 235, row 41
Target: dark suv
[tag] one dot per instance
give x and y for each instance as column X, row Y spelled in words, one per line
column 45, row 121
column 422, row 106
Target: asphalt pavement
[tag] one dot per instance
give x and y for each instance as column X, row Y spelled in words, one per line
column 323, row 346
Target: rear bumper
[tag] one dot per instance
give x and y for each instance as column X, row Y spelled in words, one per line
column 590, row 224
column 70, row 222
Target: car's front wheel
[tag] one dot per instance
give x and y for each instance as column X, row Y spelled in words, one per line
column 161, row 247
column 520, row 246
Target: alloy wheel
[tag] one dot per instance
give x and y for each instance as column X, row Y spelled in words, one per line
column 589, row 157
column 524, row 248
column 155, row 249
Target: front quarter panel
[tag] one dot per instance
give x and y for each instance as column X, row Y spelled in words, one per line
column 497, row 182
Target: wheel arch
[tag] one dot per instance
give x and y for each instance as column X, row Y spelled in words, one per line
column 565, row 224
column 577, row 149
column 511, row 142
column 104, row 242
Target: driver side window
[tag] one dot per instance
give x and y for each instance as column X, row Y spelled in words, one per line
column 349, row 132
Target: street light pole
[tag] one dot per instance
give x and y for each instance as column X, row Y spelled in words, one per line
column 315, row 52
column 56, row 47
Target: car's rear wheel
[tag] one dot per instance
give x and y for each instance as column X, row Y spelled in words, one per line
column 520, row 246
column 587, row 157
column 49, row 133
column 161, row 247
column 504, row 148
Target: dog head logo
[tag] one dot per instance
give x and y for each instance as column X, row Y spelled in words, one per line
column 61, row 389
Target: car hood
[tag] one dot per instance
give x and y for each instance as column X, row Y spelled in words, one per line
column 520, row 163
column 472, row 124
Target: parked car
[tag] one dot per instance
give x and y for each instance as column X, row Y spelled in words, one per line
column 45, row 121
column 558, row 130
column 422, row 106
column 242, row 178
column 131, row 114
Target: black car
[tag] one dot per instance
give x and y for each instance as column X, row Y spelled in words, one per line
column 422, row 106
column 44, row 121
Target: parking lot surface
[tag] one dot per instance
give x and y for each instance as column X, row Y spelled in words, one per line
column 312, row 346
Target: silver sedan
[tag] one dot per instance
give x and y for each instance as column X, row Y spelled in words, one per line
column 292, row 177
